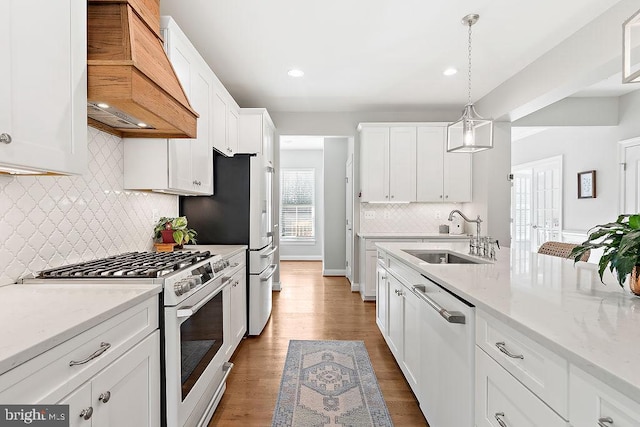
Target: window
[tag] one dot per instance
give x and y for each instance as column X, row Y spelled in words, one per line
column 297, row 214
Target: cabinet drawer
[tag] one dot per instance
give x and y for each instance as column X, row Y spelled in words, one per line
column 370, row 244
column 499, row 396
column 49, row 376
column 592, row 401
column 540, row 370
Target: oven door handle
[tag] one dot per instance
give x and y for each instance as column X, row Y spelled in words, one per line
column 189, row 311
column 268, row 273
column 269, row 253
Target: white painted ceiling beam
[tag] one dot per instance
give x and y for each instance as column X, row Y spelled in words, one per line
column 590, row 55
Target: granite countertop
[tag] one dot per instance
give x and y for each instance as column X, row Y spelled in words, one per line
column 563, row 306
column 385, row 235
column 223, row 250
column 35, row 318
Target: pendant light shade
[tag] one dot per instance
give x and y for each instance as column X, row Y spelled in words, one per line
column 470, row 133
column 631, row 32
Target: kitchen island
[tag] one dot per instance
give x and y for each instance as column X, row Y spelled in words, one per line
column 563, row 309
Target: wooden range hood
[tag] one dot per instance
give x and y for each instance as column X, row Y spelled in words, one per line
column 133, row 90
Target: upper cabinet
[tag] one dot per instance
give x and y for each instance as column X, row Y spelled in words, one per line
column 388, row 163
column 257, row 133
column 225, row 112
column 43, row 87
column 180, row 166
column 442, row 176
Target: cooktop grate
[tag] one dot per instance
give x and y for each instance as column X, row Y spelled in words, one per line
column 128, row 265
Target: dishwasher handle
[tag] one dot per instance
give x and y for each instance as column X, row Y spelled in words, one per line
column 449, row 316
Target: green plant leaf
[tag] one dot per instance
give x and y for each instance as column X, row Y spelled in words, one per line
column 178, row 235
column 634, row 222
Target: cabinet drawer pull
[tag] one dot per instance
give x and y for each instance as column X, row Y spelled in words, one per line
column 104, row 346
column 603, row 420
column 104, row 397
column 499, row 419
column 5, row 138
column 502, row 348
column 86, row 413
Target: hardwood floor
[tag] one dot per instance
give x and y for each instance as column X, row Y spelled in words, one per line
column 309, row 307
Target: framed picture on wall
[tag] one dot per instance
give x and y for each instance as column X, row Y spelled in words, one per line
column 587, row 185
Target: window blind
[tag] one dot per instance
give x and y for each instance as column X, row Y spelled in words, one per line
column 297, row 210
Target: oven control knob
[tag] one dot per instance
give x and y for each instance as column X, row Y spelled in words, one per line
column 196, row 281
column 177, row 288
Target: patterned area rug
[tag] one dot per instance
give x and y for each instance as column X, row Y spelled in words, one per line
column 329, row 383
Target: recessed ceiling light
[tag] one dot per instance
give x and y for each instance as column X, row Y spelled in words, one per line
column 450, row 71
column 142, row 125
column 295, row 73
column 103, row 105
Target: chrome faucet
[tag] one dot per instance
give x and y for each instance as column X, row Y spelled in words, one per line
column 477, row 221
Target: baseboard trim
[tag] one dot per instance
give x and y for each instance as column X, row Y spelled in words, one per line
column 300, row 257
column 334, row 272
column 277, row 286
column 355, row 287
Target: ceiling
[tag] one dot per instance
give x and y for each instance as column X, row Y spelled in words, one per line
column 374, row 55
column 301, row 142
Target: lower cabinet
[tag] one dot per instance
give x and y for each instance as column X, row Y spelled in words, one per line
column 382, row 296
column 411, row 360
column 593, row 403
column 238, row 307
column 125, row 393
column 395, row 328
column 501, row 400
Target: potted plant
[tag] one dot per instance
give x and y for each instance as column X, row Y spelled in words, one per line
column 621, row 243
column 172, row 230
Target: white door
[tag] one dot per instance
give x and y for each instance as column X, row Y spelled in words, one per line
column 630, row 202
column 543, row 213
column 349, row 219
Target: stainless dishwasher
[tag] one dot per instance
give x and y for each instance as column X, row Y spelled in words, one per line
column 447, row 371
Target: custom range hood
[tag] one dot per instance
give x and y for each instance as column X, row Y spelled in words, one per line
column 133, row 90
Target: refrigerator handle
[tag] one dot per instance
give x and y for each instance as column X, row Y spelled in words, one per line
column 268, row 273
column 269, row 253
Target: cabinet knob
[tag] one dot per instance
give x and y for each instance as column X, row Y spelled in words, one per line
column 392, row 197
column 86, row 413
column 446, row 197
column 104, row 397
column 386, row 197
column 441, row 196
column 5, row 138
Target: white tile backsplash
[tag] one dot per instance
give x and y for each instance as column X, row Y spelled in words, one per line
column 404, row 218
column 50, row 221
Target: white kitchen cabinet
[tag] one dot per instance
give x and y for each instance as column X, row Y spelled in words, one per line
column 395, row 334
column 126, row 393
column 387, row 163
column 43, row 87
column 382, row 297
column 120, row 355
column 225, row 123
column 441, row 176
column 180, row 166
column 591, row 402
column 412, row 359
column 238, row 307
column 257, row 133
column 501, row 400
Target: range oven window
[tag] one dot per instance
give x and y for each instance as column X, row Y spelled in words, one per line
column 201, row 336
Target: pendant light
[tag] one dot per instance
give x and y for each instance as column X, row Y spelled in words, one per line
column 471, row 133
column 629, row 74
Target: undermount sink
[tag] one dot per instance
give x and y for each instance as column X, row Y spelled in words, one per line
column 443, row 257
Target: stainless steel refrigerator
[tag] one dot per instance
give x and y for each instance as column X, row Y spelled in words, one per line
column 240, row 213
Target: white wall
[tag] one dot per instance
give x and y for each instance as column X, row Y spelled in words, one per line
column 51, row 221
column 334, row 251
column 583, row 148
column 491, row 188
column 306, row 159
column 629, row 121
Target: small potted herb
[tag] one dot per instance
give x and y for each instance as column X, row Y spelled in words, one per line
column 174, row 230
column 621, row 243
